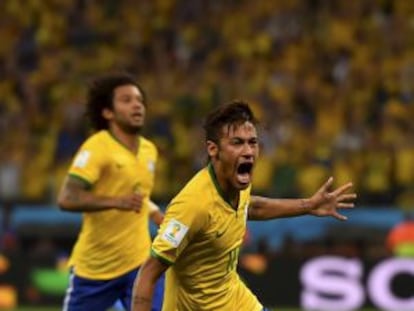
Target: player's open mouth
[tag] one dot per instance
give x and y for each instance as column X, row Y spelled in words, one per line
column 244, row 172
column 137, row 115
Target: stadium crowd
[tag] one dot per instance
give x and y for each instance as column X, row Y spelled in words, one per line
column 332, row 83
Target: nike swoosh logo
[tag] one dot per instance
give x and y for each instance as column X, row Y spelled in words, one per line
column 219, row 234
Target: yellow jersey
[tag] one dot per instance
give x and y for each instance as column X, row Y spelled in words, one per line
column 113, row 242
column 200, row 238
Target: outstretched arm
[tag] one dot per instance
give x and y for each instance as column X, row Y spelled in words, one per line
column 145, row 283
column 74, row 196
column 322, row 203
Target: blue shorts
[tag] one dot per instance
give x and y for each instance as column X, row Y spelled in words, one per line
column 86, row 295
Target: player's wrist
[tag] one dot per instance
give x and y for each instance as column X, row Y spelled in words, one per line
column 306, row 204
column 120, row 203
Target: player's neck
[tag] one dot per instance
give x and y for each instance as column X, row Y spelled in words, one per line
column 234, row 199
column 226, row 190
column 130, row 141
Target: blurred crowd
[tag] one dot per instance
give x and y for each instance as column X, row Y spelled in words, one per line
column 331, row 81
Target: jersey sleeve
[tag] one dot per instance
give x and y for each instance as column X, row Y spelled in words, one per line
column 88, row 163
column 183, row 220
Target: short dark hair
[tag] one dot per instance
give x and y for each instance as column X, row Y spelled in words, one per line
column 234, row 113
column 101, row 94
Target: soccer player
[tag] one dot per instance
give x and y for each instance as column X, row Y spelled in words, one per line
column 200, row 237
column 110, row 182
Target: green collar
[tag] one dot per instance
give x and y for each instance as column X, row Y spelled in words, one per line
column 216, row 184
column 120, row 142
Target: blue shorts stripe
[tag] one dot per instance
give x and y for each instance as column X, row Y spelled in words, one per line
column 68, row 292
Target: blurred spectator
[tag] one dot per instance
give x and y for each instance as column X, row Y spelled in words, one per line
column 332, row 82
column 10, row 173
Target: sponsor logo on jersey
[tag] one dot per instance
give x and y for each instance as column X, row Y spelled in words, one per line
column 175, row 232
column 82, row 159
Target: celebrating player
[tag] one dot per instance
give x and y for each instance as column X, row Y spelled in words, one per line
column 204, row 225
column 110, row 181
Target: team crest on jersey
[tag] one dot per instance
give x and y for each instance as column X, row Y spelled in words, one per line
column 82, row 159
column 175, row 232
column 151, row 166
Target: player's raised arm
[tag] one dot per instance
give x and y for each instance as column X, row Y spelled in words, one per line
column 322, row 203
column 144, row 284
column 74, row 196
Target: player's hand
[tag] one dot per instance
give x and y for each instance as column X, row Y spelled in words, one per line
column 131, row 202
column 326, row 203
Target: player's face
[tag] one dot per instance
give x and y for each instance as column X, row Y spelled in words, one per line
column 128, row 108
column 235, row 156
